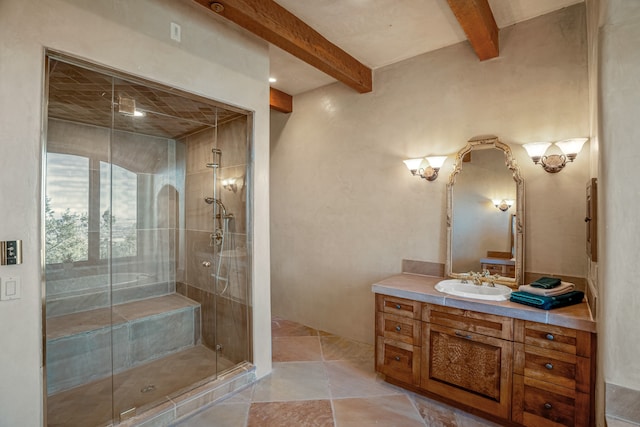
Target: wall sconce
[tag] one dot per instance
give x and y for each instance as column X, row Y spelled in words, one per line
column 430, row 173
column 503, row 205
column 554, row 163
column 230, row 184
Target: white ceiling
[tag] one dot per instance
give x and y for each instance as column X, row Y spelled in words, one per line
column 382, row 32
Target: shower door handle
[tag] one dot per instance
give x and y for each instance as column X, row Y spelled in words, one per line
column 206, row 264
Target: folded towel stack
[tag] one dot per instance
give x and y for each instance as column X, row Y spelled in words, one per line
column 561, row 289
column 547, row 293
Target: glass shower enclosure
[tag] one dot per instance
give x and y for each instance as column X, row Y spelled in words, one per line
column 147, row 244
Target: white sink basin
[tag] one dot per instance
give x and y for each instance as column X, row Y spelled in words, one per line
column 469, row 290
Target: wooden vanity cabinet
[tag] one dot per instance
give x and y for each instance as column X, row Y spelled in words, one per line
column 553, row 375
column 398, row 336
column 524, row 373
column 467, row 357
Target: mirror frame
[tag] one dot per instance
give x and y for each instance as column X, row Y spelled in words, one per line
column 485, row 143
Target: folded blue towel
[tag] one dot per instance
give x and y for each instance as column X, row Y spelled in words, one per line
column 547, row 303
column 546, row 283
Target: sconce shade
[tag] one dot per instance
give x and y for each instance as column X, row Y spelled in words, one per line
column 413, row 164
column 436, row 162
column 536, row 149
column 571, row 147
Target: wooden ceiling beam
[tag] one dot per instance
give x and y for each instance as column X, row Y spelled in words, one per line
column 275, row 24
column 477, row 21
column 280, row 101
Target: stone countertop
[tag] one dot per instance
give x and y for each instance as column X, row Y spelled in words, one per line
column 422, row 288
column 499, row 261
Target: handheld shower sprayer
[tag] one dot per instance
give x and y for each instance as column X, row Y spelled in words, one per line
column 211, row 200
column 219, row 209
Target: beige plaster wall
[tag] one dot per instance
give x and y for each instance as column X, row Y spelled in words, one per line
column 214, row 60
column 619, row 154
column 345, row 211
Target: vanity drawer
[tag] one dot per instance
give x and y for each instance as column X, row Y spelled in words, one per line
column 541, row 404
column 398, row 306
column 556, row 338
column 398, row 360
column 501, row 269
column 494, row 269
column 562, row 369
column 465, row 320
column 398, row 328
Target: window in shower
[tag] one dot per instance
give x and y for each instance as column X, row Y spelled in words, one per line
column 66, row 208
column 118, row 211
column 71, row 206
column 147, row 247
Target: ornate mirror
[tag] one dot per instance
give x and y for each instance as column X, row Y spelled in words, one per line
column 485, row 212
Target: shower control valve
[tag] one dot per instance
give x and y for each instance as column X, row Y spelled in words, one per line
column 216, row 237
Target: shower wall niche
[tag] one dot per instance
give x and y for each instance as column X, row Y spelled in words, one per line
column 142, row 302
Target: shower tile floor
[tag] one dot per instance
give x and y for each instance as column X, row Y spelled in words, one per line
column 149, row 384
column 322, row 380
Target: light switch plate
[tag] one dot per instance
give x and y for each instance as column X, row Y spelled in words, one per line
column 10, row 288
column 176, row 32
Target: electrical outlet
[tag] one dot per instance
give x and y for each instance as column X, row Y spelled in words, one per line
column 176, row 32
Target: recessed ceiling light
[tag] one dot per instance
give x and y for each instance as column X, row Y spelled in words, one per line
column 138, row 113
column 272, row 80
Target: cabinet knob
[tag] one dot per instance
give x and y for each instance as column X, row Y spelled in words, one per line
column 398, row 306
column 550, row 337
column 547, row 405
column 398, row 328
column 397, row 358
column 549, row 366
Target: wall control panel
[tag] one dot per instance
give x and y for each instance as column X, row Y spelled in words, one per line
column 10, row 252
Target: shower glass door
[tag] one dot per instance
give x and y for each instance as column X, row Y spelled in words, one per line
column 230, row 278
column 77, row 226
column 134, row 274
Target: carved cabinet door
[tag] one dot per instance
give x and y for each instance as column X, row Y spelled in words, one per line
column 467, row 367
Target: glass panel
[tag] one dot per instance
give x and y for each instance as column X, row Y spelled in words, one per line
column 231, row 257
column 78, row 295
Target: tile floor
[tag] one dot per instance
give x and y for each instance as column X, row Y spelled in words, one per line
column 322, row 380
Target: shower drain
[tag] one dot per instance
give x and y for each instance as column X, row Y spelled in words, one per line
column 148, row 388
